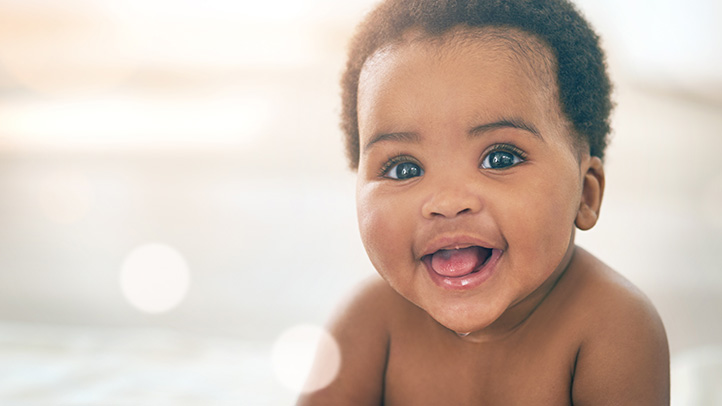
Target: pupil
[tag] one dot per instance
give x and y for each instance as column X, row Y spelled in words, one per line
column 501, row 159
column 407, row 170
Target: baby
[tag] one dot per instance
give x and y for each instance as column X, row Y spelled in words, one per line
column 478, row 129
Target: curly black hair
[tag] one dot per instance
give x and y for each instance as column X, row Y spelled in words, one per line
column 584, row 85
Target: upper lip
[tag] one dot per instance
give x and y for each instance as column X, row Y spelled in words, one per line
column 455, row 241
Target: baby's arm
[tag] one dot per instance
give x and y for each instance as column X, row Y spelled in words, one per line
column 625, row 359
column 362, row 335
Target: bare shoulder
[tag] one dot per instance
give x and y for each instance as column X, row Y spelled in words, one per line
column 607, row 301
column 372, row 304
column 361, row 329
column 623, row 355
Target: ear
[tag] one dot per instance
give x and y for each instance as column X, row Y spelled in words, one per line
column 592, row 192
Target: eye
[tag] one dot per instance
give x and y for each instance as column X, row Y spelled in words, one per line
column 403, row 170
column 502, row 159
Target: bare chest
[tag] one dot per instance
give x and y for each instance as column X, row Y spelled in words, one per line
column 429, row 371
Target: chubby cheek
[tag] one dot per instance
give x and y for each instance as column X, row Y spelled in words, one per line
column 385, row 232
column 540, row 236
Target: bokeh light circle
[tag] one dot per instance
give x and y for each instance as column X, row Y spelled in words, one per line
column 294, row 353
column 154, row 278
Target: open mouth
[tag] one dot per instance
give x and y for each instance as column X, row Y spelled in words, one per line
column 459, row 262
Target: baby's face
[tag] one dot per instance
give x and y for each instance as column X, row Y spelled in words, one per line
column 468, row 183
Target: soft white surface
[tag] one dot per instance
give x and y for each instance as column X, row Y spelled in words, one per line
column 55, row 365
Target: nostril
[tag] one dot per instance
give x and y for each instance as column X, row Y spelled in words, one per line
column 443, row 213
column 451, row 203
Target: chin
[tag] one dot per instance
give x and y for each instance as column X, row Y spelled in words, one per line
column 460, row 321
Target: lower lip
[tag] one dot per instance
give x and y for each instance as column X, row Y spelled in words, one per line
column 469, row 281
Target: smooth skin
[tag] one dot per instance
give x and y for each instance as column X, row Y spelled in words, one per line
column 462, row 144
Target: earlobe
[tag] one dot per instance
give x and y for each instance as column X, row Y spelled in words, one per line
column 592, row 192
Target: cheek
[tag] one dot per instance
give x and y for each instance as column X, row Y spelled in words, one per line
column 544, row 221
column 382, row 228
column 558, row 192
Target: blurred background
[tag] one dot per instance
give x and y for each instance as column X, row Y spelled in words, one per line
column 174, row 196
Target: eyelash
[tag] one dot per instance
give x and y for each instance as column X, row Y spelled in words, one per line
column 399, row 158
column 506, row 148
column 395, row 160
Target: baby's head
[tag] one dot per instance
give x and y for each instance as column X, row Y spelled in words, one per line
column 577, row 61
column 477, row 129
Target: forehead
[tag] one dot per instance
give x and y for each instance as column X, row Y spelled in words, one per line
column 491, row 70
column 511, row 44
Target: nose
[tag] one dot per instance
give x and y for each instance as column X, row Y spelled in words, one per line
column 452, row 199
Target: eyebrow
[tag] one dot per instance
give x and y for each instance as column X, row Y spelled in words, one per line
column 506, row 123
column 476, row 131
column 402, row 136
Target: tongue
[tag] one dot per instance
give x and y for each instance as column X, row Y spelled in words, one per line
column 459, row 262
